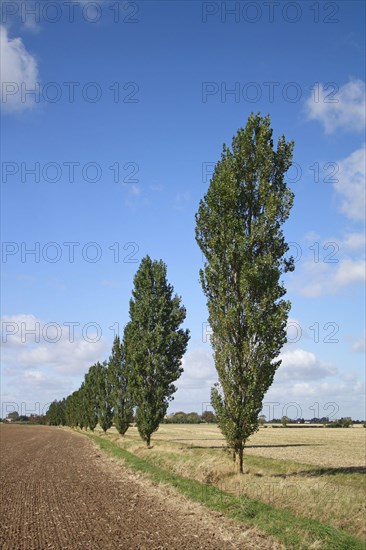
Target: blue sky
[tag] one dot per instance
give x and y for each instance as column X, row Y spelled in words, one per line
column 132, row 102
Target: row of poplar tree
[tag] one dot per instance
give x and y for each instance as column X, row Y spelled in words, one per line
column 138, row 380
column 239, row 231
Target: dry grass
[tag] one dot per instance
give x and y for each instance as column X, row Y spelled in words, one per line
column 333, row 447
column 313, row 472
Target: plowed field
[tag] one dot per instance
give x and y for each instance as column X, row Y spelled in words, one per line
column 59, row 492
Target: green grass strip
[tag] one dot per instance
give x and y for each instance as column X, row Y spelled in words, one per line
column 295, row 532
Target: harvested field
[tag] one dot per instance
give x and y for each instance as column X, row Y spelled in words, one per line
column 60, row 492
column 317, row 473
column 333, row 447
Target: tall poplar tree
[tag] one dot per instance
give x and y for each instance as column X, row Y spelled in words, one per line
column 81, row 407
column 103, row 385
column 90, row 403
column 154, row 345
column 120, row 395
column 238, row 228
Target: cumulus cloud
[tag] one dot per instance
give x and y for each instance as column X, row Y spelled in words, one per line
column 299, row 364
column 350, row 271
column 194, row 386
column 342, row 261
column 32, row 392
column 18, row 68
column 325, row 391
column 320, row 278
column 354, row 241
column 45, row 361
column 359, row 346
column 30, row 345
column 338, row 108
column 199, row 369
column 323, row 398
column 65, row 358
column 11, row 328
column 295, row 331
column 302, row 379
column 350, row 184
column 350, row 242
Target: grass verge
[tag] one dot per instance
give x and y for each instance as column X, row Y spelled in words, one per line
column 295, row 532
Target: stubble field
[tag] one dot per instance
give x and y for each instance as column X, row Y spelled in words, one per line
column 317, row 473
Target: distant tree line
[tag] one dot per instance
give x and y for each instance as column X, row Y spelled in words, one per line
column 55, row 417
column 14, row 416
column 181, row 417
column 344, row 422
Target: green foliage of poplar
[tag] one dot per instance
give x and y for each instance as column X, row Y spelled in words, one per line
column 56, row 414
column 103, row 384
column 120, row 397
column 90, row 398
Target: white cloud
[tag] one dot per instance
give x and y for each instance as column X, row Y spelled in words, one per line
column 18, row 68
column 354, row 241
column 306, row 386
column 350, row 271
column 350, row 184
column 29, row 344
column 359, row 346
column 63, row 357
column 35, row 370
column 308, row 399
column 320, row 278
column 299, row 364
column 342, row 108
column 295, row 331
column 341, row 262
column 11, row 328
column 29, row 16
column 194, row 385
column 38, row 380
column 323, row 391
column 199, row 369
column 303, row 379
column 33, row 391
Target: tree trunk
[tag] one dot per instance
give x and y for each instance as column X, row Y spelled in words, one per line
column 148, row 442
column 241, row 452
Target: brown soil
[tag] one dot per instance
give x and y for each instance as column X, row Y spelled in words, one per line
column 60, row 492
